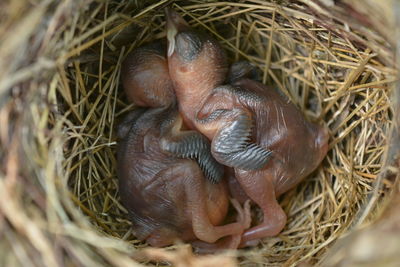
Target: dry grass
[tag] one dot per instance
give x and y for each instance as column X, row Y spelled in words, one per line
column 60, row 99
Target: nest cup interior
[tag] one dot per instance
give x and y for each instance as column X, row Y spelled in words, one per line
column 333, row 81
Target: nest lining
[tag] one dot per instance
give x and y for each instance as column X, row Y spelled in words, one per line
column 332, row 77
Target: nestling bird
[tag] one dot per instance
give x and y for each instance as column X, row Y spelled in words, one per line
column 253, row 128
column 145, row 78
column 168, row 180
column 167, row 196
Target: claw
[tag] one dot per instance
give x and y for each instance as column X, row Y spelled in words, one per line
column 244, row 214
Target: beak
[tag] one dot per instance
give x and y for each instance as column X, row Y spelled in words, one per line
column 175, row 24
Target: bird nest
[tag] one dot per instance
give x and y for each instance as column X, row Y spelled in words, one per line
column 61, row 99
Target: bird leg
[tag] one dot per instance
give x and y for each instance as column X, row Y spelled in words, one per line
column 261, row 190
column 198, row 207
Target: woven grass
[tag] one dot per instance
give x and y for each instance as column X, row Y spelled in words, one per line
column 61, row 98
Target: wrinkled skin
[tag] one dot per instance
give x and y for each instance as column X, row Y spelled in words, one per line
column 145, row 78
column 253, row 128
column 168, row 197
column 167, row 176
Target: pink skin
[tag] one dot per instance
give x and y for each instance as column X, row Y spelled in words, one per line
column 168, row 197
column 145, row 78
column 197, row 68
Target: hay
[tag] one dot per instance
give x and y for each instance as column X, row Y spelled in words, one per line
column 60, row 99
